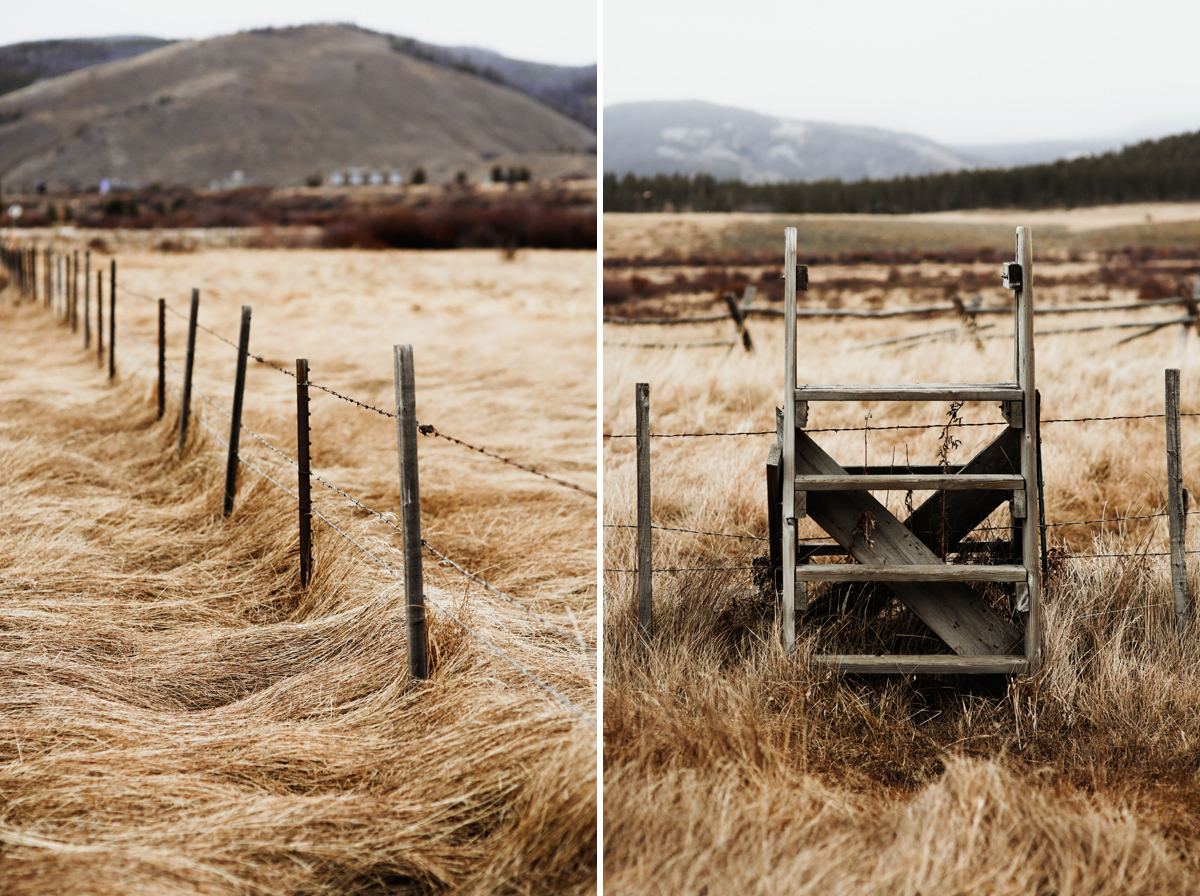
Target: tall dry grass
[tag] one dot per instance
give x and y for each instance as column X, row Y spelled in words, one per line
column 178, row 716
column 730, row 768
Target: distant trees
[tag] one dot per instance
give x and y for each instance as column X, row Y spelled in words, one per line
column 1166, row 170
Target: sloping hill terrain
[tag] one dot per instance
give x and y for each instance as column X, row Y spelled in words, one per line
column 728, row 143
column 280, row 106
column 24, row 63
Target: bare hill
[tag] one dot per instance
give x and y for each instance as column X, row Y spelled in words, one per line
column 280, row 106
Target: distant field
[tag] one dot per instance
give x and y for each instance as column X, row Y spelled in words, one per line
column 1175, row 226
column 177, row 713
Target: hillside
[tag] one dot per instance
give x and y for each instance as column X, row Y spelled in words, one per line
column 1151, row 171
column 24, row 63
column 727, row 143
column 280, row 106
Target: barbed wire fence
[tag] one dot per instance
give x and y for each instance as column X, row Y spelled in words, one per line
column 57, row 289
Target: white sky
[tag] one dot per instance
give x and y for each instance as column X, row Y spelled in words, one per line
column 955, row 71
column 556, row 31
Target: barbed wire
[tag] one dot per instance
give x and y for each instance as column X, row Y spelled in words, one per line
column 723, row 344
column 692, row 531
column 589, row 720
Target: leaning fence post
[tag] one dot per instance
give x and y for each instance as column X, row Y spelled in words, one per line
column 645, row 580
column 188, row 364
column 162, row 357
column 410, row 510
column 112, row 321
column 303, row 451
column 235, row 423
column 1177, row 515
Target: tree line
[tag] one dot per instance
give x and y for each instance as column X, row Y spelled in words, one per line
column 1165, row 170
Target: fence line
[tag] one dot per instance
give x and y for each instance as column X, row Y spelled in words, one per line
column 424, row 428
column 239, row 458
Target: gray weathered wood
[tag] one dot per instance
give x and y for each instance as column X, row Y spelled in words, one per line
column 917, row 664
column 788, row 469
column 886, row 572
column 304, row 462
column 739, row 321
column 410, row 511
column 908, row 481
column 955, row 612
column 162, row 358
column 87, row 299
column 1030, row 547
column 189, row 364
column 1177, row 518
column 100, row 316
column 112, row 320
column 645, row 578
column 775, row 511
column 235, row 423
column 910, row 392
column 75, row 292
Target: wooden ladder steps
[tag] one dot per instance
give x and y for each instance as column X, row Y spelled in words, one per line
column 939, row 664
column 896, row 572
column 912, row 392
column 822, row 482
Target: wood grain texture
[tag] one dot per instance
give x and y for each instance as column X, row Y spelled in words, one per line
column 1177, row 519
column 886, row 572
column 901, row 664
column 909, row 481
column 910, row 392
column 1030, row 536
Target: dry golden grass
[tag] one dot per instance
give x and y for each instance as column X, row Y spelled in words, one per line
column 178, row 716
column 730, row 768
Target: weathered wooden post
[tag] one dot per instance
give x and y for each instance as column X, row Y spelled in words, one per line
column 87, row 298
column 788, row 471
column 235, row 423
column 1177, row 514
column 303, row 452
column 162, row 357
column 75, row 293
column 645, row 579
column 188, row 365
column 112, row 321
column 410, row 510
column 100, row 316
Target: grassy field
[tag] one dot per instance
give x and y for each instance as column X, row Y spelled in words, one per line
column 178, row 716
column 729, row 768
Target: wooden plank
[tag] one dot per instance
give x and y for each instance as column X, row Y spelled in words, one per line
column 645, row 577
column 1030, row 557
column 953, row 610
column 410, row 511
column 775, row 511
column 886, row 572
column 788, row 469
column 911, row 392
column 1177, row 519
column 901, row 664
column 909, row 481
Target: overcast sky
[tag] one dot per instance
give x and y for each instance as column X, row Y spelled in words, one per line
column 557, row 31
column 955, row 71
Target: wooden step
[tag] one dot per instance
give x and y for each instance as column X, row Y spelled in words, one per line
column 912, row 392
column 820, row 482
column 915, row 664
column 889, row 572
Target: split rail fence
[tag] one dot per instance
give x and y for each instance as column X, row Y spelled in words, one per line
column 52, row 278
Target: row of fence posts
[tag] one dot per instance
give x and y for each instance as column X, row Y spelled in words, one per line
column 60, row 293
column 1177, row 509
column 59, row 287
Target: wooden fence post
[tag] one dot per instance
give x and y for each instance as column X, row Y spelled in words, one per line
column 303, row 451
column 188, row 365
column 645, row 579
column 162, row 357
column 410, row 510
column 100, row 316
column 235, row 423
column 75, row 293
column 1177, row 515
column 112, row 321
column 87, row 299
